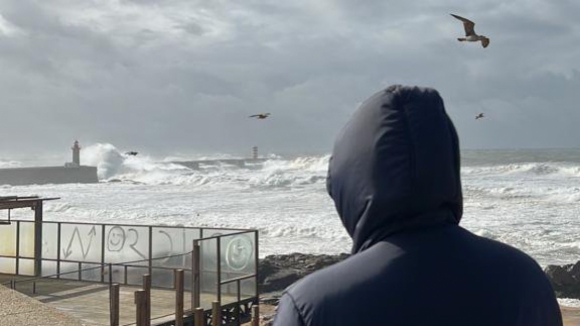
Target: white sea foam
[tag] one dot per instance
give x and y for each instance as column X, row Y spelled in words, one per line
column 531, row 205
column 112, row 165
column 533, row 168
column 486, row 234
column 105, row 157
column 569, row 302
column 9, row 164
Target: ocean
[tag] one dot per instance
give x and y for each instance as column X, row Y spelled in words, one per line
column 526, row 198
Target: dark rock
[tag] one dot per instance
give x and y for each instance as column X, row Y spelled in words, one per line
column 565, row 280
column 280, row 280
column 266, row 268
column 276, row 272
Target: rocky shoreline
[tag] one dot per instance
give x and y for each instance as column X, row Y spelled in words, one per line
column 276, row 272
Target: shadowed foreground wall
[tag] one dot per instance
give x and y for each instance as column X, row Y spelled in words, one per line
column 49, row 174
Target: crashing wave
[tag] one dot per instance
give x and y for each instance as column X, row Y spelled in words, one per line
column 113, row 166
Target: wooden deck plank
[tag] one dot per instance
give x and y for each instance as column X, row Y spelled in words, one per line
column 89, row 302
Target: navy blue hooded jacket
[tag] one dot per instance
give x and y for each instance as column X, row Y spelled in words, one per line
column 394, row 176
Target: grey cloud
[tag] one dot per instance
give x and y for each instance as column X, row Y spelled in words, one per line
column 187, row 82
column 193, row 28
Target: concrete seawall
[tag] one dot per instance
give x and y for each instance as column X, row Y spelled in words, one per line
column 48, row 174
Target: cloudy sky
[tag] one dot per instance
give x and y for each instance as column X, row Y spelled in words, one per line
column 183, row 75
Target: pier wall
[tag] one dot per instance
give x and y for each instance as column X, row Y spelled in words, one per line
column 239, row 162
column 48, row 174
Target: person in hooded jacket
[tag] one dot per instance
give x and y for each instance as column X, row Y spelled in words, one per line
column 394, row 176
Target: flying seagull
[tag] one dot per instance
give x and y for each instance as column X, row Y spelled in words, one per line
column 260, row 115
column 479, row 116
column 132, row 153
column 470, row 35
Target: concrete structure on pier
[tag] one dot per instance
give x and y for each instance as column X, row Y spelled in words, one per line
column 71, row 172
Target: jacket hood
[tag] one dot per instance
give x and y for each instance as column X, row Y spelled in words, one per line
column 395, row 166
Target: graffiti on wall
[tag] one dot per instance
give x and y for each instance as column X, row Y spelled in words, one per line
column 236, row 253
column 239, row 252
column 117, row 240
column 76, row 235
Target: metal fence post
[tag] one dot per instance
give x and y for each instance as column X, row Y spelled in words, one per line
column 257, row 262
column 219, row 268
column 38, row 239
column 110, row 274
column 103, row 253
column 150, row 257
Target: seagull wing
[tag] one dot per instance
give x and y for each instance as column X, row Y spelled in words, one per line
column 254, row 115
column 468, row 25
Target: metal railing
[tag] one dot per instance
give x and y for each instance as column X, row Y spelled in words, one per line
column 224, row 257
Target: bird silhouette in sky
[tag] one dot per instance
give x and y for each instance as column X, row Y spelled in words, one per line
column 132, row 153
column 479, row 116
column 260, row 115
column 470, row 35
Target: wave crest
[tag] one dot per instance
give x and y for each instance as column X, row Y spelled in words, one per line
column 113, row 166
column 525, row 168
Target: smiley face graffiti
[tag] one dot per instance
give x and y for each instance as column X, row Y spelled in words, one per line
column 116, row 239
column 239, row 253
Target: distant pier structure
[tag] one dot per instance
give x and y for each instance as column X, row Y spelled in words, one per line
column 239, row 162
column 71, row 172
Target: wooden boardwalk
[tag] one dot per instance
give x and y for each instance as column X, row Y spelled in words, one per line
column 89, row 302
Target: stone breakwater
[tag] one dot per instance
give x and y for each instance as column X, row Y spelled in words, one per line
column 48, row 175
column 279, row 271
